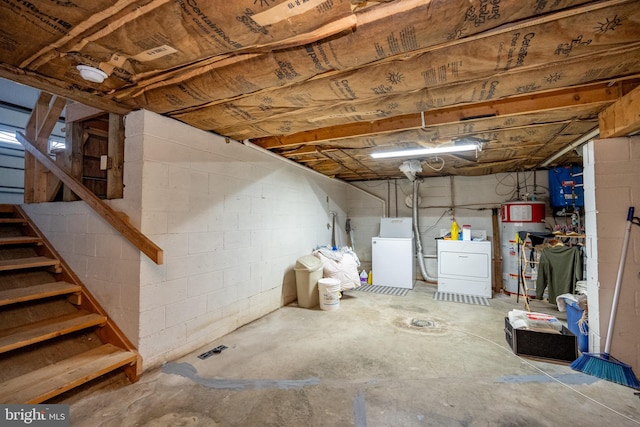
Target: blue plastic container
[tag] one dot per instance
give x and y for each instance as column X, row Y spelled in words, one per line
column 574, row 314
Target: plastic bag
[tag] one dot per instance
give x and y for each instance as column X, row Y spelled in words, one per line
column 520, row 319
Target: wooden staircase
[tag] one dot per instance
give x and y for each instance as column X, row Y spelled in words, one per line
column 54, row 336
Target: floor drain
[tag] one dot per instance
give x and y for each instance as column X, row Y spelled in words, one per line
column 419, row 323
column 430, row 326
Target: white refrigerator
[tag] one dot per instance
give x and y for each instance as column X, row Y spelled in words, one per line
column 393, row 254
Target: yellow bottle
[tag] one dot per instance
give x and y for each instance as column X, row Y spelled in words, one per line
column 454, row 230
column 370, row 278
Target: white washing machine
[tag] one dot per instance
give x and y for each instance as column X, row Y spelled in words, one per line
column 393, row 254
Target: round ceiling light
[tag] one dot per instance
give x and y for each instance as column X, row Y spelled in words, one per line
column 92, row 74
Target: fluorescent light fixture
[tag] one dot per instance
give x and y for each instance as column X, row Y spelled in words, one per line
column 425, row 151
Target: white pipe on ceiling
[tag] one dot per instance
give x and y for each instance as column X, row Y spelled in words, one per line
column 578, row 142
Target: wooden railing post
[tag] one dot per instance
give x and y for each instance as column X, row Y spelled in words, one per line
column 44, row 117
column 132, row 234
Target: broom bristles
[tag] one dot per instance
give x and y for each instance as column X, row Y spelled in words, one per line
column 606, row 367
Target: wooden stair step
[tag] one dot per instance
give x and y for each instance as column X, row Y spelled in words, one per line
column 49, row 381
column 29, row 262
column 30, row 293
column 31, row 333
column 13, row 221
column 19, row 240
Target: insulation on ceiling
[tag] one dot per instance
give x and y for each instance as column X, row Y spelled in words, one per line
column 260, row 69
column 535, row 56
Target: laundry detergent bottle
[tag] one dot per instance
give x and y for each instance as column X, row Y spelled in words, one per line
column 455, row 230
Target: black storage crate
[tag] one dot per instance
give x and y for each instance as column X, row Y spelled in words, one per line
column 562, row 347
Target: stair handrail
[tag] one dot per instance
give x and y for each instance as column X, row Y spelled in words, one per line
column 132, row 234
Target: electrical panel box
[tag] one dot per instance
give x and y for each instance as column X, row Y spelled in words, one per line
column 566, row 187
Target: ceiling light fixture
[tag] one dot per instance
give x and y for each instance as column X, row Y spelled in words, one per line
column 426, row 151
column 92, row 74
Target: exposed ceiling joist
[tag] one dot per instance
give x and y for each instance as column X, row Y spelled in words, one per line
column 68, row 91
column 622, row 118
column 304, row 79
column 594, row 94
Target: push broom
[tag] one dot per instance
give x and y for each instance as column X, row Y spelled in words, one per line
column 604, row 365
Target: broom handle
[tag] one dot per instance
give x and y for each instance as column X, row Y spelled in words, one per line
column 616, row 293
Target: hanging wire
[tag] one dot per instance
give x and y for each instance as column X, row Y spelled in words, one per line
column 435, row 168
column 435, row 224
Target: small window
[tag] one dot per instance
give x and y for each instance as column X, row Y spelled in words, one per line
column 7, row 135
column 56, row 144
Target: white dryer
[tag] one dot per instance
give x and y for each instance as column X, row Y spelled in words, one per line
column 464, row 267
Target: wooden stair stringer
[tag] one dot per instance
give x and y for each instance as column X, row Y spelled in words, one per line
column 109, row 332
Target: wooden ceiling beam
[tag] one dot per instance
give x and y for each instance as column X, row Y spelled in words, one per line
column 62, row 89
column 51, row 119
column 302, row 151
column 363, row 168
column 593, row 94
column 622, row 117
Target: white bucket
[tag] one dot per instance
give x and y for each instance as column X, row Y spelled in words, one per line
column 329, row 290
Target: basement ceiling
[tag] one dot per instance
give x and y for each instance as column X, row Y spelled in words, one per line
column 326, row 83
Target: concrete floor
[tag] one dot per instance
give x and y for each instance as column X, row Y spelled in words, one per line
column 363, row 365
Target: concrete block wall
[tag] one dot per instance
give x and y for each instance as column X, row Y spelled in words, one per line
column 614, row 172
column 232, row 221
column 364, row 214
